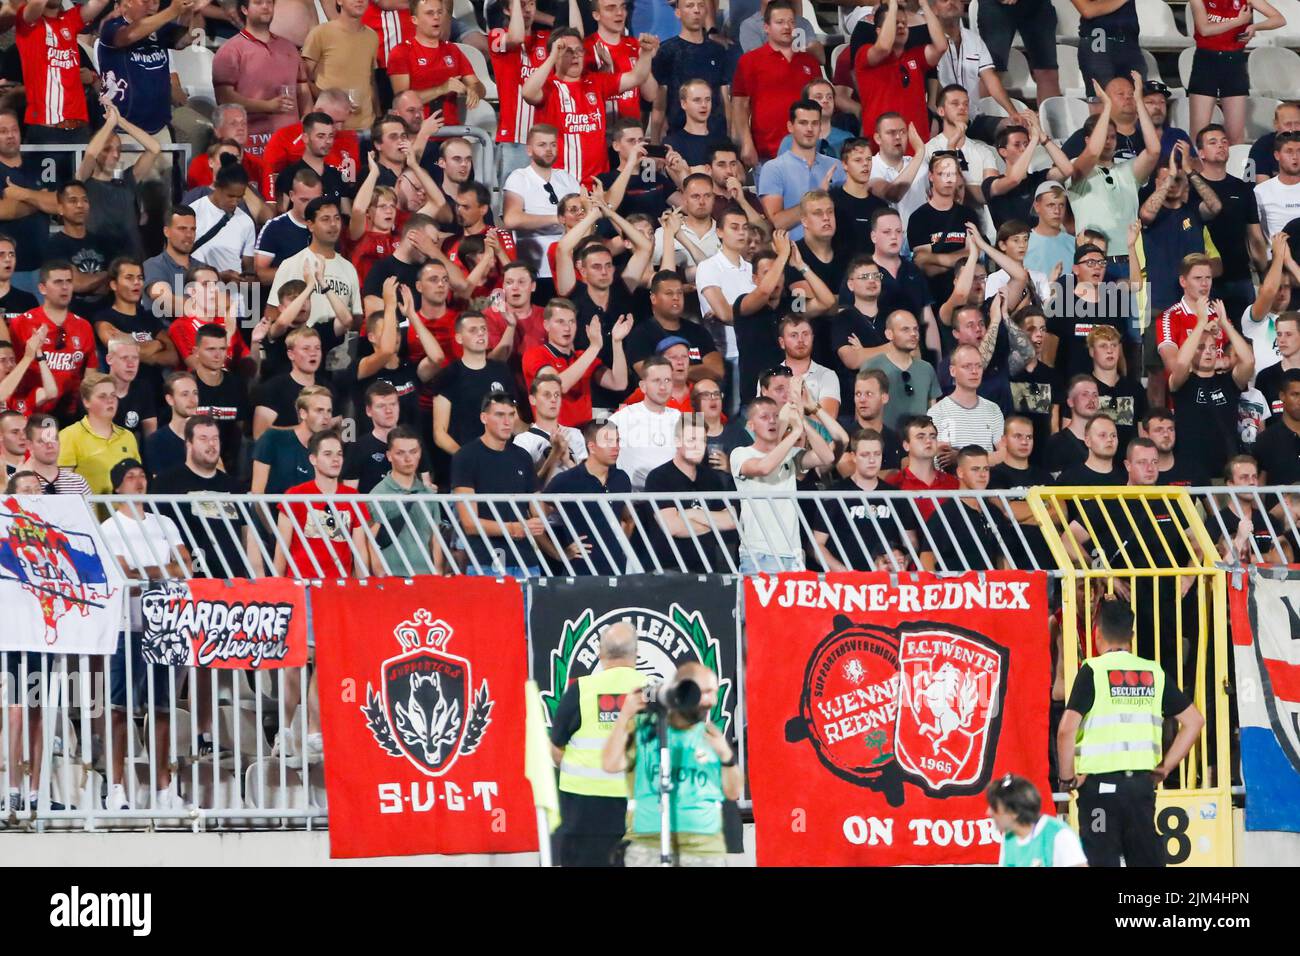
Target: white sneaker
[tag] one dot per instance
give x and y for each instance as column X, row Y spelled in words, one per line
column 168, row 799
column 315, row 748
column 286, row 745
column 117, row 798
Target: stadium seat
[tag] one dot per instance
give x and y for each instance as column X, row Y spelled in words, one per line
column 1018, row 79
column 249, row 731
column 1062, row 115
column 1274, row 71
column 990, row 107
column 805, row 9
column 1259, row 115
column 1238, row 156
column 1289, row 35
column 87, row 43
column 483, row 116
column 1067, row 23
column 834, row 59
column 1153, row 68
column 1180, row 113
column 1258, row 40
column 1071, row 78
column 479, row 62
column 464, row 10
column 1185, row 66
column 194, row 67
column 1157, row 28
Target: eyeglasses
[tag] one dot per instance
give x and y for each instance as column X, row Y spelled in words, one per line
column 550, row 194
column 907, row 383
column 869, row 276
column 1092, row 263
column 711, row 394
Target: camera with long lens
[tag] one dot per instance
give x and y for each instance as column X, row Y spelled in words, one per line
column 681, row 696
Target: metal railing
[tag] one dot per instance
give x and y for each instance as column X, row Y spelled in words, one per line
column 63, row 738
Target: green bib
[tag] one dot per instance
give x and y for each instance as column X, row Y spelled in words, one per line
column 1038, row 850
column 697, row 781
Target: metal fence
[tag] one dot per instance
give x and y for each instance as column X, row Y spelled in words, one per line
column 238, row 747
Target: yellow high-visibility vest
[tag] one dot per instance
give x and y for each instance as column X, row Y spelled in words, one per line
column 1122, row 730
column 600, row 698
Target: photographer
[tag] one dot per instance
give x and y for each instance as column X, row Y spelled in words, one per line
column 593, row 803
column 704, row 771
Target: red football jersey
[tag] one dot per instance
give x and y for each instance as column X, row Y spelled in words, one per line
column 51, row 62
column 577, row 109
column 625, row 55
column 512, row 68
column 200, row 173
column 369, row 249
column 324, row 528
column 451, row 246
column 1177, row 322
column 430, row 66
column 184, row 333
column 69, row 351
column 393, row 27
column 575, row 404
column 285, row 147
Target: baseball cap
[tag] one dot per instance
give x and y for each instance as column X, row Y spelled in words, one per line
column 1155, row 86
column 668, row 341
column 1048, row 186
column 118, row 474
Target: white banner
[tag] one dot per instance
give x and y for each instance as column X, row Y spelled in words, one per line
column 61, row 592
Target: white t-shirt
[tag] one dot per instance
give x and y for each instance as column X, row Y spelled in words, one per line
column 1278, row 205
column 538, row 445
column 734, row 281
column 225, row 251
column 963, row 65
column 146, row 542
column 821, row 382
column 646, row 439
column 1067, row 850
column 1263, row 336
column 916, row 194
column 769, row 527
column 340, row 277
column 532, row 245
column 959, row 426
column 708, row 244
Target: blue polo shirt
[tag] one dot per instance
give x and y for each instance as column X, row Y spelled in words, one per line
column 789, row 177
column 589, row 519
column 138, row 77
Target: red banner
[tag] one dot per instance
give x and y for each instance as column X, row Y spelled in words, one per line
column 879, row 712
column 234, row 625
column 422, row 705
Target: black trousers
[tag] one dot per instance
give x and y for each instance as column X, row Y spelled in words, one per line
column 1117, row 819
column 591, row 831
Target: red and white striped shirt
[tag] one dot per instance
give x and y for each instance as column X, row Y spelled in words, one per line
column 512, row 68
column 624, row 56
column 1177, row 322
column 393, row 27
column 51, row 62
column 577, row 109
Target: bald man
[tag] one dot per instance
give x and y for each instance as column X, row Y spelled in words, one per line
column 704, row 772
column 593, row 802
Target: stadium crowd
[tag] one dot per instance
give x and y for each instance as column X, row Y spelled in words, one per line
column 726, row 256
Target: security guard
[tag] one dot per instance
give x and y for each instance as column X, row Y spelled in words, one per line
column 1113, row 722
column 593, row 803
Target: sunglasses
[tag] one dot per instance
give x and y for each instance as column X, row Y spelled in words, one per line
column 780, row 370
column 907, row 384
column 904, row 76
column 869, row 276
column 550, row 194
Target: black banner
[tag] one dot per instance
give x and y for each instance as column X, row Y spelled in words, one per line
column 679, row 618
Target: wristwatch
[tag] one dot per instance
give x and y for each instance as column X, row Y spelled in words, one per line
column 732, row 762
column 40, row 356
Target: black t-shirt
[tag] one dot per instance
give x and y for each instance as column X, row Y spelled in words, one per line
column 1065, row 450
column 943, row 230
column 621, row 303
column 143, row 326
column 1207, row 418
column 1269, row 383
column 227, row 402
column 1278, row 454
column 87, row 255
column 491, row 472
column 669, row 479
column 958, row 548
column 30, row 233
column 1083, row 694
column 404, row 378
column 1033, row 393
column 332, row 184
column 872, row 518
column 281, row 393
column 275, row 350
column 1126, row 402
column 1264, row 532
column 853, row 224
column 408, row 273
column 16, row 302
column 908, row 290
column 1002, row 477
column 891, row 452
column 1016, row 204
column 139, row 403
column 645, row 338
column 1228, row 229
column 1080, row 475
column 365, row 461
column 693, row 147
column 852, row 321
column 465, row 388
column 214, row 525
column 1186, row 471
column 590, row 520
column 163, row 450
column 650, row 198
column 833, row 274
column 1071, row 329
column 756, row 343
column 1133, row 530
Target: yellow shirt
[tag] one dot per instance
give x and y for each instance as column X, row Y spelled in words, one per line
column 345, row 60
column 93, row 457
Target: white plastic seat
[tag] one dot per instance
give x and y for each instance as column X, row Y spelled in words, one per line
column 262, row 787
column 1153, row 68
column 479, row 62
column 1071, row 77
column 1180, row 113
column 228, row 718
column 193, row 65
column 1274, row 71
column 1067, row 23
column 1062, row 115
column 1268, row 38
column 1018, row 78
column 1289, row 35
column 484, row 116
column 1238, row 157
column 1157, row 28
column 1185, row 66
column 835, row 58
column 990, row 107
column 1259, row 115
